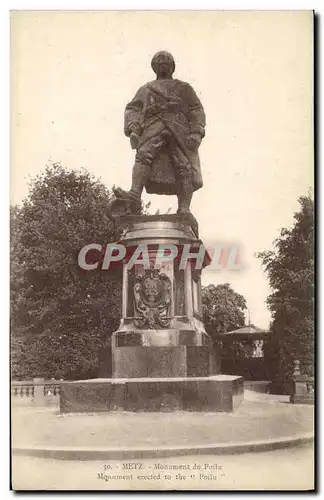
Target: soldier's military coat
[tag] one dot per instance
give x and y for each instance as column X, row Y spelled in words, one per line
column 165, row 113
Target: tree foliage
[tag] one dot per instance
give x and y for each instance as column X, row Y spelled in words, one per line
column 61, row 315
column 223, row 308
column 223, row 311
column 290, row 268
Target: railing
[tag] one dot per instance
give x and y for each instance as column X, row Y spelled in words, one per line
column 36, row 392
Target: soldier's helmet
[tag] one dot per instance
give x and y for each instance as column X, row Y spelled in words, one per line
column 163, row 58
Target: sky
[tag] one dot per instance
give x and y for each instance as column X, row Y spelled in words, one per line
column 72, row 73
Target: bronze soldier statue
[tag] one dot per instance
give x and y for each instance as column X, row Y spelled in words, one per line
column 165, row 123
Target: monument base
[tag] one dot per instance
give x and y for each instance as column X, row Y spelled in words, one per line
column 166, row 361
column 162, row 359
column 218, row 393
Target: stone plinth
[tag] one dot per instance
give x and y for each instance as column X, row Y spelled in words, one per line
column 303, row 390
column 202, row 394
column 165, row 361
column 162, row 356
column 162, row 335
column 303, row 386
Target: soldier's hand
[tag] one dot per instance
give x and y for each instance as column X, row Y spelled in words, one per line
column 193, row 141
column 134, row 138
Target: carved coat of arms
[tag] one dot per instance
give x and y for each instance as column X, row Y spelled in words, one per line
column 152, row 295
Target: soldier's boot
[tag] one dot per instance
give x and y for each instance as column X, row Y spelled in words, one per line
column 140, row 176
column 185, row 195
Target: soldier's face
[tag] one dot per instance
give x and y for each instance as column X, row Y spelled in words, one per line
column 163, row 67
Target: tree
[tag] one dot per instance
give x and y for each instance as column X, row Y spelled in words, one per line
column 223, row 308
column 290, row 268
column 61, row 315
column 223, row 311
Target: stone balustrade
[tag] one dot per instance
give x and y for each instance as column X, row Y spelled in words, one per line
column 36, row 392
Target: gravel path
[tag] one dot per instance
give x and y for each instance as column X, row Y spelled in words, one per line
column 253, row 420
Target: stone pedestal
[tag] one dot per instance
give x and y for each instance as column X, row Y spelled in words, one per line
column 161, row 349
column 303, row 387
column 161, row 332
column 201, row 394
